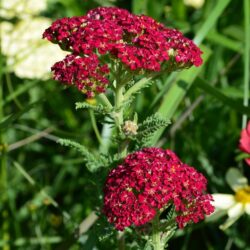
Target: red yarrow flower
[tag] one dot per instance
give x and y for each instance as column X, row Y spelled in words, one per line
column 147, row 182
column 244, row 144
column 85, row 72
column 138, row 42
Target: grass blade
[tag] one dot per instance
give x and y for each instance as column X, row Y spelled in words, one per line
column 210, row 22
column 224, row 41
column 202, row 84
column 246, row 58
column 11, row 118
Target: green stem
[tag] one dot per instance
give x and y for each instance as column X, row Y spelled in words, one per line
column 105, row 101
column 3, row 166
column 121, row 241
column 94, row 125
column 118, row 116
column 11, row 90
column 156, row 234
column 118, row 105
column 246, row 58
column 122, row 150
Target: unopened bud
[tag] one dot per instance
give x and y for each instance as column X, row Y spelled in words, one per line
column 130, row 128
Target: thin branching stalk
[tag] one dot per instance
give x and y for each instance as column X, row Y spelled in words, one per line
column 246, row 58
column 4, row 182
column 105, row 101
column 11, row 90
column 118, row 105
column 94, row 125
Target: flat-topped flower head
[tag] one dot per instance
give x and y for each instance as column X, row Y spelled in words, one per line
column 150, row 180
column 137, row 42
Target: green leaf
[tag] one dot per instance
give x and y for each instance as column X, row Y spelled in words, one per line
column 97, row 108
column 155, row 8
column 20, row 90
column 211, row 20
column 92, row 161
column 234, row 31
column 167, row 83
column 137, row 87
column 225, row 41
column 170, row 214
column 202, row 84
column 139, row 7
column 170, row 231
column 179, row 9
column 242, row 156
column 232, row 92
column 147, row 129
column 148, row 246
column 11, row 118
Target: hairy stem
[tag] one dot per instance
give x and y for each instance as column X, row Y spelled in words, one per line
column 122, row 148
column 156, row 234
column 118, row 105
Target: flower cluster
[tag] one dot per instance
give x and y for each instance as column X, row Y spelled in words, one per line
column 26, row 55
column 22, row 9
column 85, row 72
column 147, row 182
column 244, row 144
column 138, row 42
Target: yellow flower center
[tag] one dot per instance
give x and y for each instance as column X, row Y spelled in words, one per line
column 91, row 101
column 243, row 195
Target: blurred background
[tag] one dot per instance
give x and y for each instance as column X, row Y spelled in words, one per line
column 46, row 191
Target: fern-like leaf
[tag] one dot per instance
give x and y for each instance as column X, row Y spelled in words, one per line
column 92, row 162
column 137, row 87
column 96, row 108
column 148, row 127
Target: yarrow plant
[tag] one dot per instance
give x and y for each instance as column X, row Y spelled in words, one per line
column 110, row 48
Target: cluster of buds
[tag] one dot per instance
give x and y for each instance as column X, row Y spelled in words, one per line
column 149, row 181
column 110, row 34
